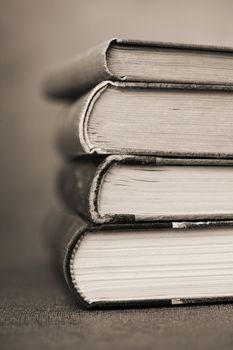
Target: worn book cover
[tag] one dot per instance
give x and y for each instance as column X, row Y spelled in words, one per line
column 181, row 120
column 120, row 189
column 134, row 60
column 72, row 238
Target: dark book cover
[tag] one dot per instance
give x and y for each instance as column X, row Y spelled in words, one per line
column 82, row 73
column 79, row 183
column 69, row 233
column 74, row 137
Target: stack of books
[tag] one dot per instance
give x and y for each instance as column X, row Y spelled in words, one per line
column 148, row 174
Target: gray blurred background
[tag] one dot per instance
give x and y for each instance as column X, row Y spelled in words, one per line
column 34, row 35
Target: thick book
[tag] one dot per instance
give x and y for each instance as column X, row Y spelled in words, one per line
column 147, row 265
column 119, row 189
column 156, row 119
column 131, row 60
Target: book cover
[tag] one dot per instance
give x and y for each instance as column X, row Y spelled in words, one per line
column 80, row 184
column 114, row 118
column 83, row 72
column 72, row 232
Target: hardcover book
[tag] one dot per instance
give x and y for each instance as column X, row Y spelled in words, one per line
column 155, row 119
column 131, row 60
column 121, row 189
column 151, row 264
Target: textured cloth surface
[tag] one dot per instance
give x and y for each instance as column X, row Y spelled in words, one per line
column 37, row 312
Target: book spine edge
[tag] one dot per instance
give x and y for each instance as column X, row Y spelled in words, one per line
column 76, row 77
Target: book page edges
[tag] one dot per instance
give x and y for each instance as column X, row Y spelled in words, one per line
column 78, row 127
column 77, row 238
column 108, row 162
